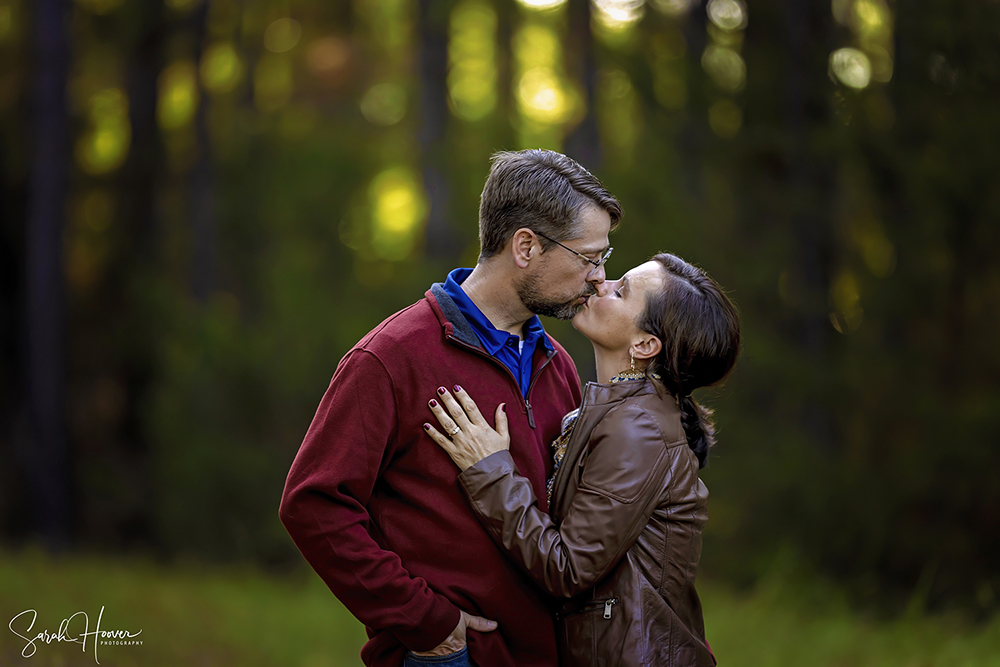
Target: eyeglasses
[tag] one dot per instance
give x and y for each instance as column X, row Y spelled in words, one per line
column 596, row 263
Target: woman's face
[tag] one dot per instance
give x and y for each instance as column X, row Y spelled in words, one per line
column 609, row 320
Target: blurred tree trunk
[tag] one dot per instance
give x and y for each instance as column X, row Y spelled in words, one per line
column 200, row 189
column 583, row 143
column 139, row 183
column 434, row 116
column 49, row 476
column 809, row 186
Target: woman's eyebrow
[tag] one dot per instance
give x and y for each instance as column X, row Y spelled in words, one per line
column 624, row 283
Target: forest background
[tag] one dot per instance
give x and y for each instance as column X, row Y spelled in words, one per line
column 205, row 203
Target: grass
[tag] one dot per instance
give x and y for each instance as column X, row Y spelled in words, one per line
column 200, row 616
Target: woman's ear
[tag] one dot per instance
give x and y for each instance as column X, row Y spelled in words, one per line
column 646, row 347
column 522, row 247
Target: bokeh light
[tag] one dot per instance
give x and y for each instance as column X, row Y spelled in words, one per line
column 541, row 4
column 871, row 19
column 845, row 299
column 328, row 56
column 674, row 8
column 384, row 104
column 851, row 67
column 543, row 98
column 881, row 63
column 537, row 45
column 472, row 74
column 841, row 10
column 618, row 15
column 399, row 209
column 727, row 14
column 105, row 147
column 669, row 68
column 221, row 68
column 282, row 35
column 178, row 95
column 725, row 67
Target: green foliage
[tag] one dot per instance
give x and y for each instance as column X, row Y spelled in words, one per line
column 209, row 616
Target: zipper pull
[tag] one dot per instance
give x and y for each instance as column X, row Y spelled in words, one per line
column 531, row 415
column 607, row 606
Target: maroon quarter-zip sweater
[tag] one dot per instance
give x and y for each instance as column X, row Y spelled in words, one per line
column 376, row 508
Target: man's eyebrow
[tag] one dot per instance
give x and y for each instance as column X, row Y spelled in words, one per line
column 595, row 252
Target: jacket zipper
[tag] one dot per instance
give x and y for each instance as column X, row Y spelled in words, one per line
column 590, row 606
column 527, row 403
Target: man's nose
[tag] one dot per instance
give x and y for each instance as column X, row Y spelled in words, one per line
column 597, row 276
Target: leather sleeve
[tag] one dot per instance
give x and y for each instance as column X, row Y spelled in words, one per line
column 622, row 482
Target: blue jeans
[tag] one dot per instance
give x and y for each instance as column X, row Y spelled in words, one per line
column 459, row 659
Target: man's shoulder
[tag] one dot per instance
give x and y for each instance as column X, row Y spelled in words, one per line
column 415, row 320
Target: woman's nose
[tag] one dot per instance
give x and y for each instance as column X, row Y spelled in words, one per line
column 602, row 287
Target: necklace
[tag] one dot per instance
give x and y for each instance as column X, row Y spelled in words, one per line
column 631, row 374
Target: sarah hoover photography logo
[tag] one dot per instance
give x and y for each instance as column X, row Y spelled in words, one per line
column 73, row 630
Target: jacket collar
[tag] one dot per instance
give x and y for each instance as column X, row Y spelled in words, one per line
column 455, row 323
column 596, row 393
column 451, row 317
column 598, row 400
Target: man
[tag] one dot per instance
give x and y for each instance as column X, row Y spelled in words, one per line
column 375, row 506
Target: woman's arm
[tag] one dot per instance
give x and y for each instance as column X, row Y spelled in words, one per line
column 622, row 481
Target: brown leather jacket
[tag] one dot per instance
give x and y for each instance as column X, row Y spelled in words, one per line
column 624, row 537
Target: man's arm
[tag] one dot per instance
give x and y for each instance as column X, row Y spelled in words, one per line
column 323, row 507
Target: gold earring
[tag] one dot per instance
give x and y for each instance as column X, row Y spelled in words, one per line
column 631, row 362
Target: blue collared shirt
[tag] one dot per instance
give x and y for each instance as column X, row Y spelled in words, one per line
column 504, row 347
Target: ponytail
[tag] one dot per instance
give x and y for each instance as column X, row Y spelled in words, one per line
column 700, row 331
column 698, row 428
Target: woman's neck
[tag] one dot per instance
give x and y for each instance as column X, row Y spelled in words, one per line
column 610, row 363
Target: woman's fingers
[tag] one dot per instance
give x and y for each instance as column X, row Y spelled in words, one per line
column 470, row 407
column 447, row 423
column 437, row 437
column 456, row 410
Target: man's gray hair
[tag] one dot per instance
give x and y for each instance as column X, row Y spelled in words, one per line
column 541, row 190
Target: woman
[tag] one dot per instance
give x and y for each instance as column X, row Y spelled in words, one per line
column 627, row 508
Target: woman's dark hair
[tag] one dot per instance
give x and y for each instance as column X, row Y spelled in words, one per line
column 700, row 331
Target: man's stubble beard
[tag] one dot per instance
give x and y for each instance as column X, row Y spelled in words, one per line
column 531, row 296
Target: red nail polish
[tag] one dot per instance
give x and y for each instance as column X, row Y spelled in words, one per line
column 427, row 427
column 441, row 390
column 503, row 408
column 458, row 388
column 434, row 403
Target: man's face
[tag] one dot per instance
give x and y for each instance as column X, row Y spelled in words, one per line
column 560, row 284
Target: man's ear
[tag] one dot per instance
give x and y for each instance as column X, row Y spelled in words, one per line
column 523, row 247
column 646, row 347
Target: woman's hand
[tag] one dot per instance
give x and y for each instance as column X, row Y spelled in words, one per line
column 472, row 439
